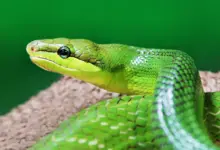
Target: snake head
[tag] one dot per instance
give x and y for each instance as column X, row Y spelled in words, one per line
column 79, row 58
column 55, row 54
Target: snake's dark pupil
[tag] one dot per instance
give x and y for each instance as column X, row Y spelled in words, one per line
column 64, row 52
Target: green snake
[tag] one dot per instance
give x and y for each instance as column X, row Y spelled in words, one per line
column 164, row 106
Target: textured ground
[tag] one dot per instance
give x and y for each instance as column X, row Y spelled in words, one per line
column 21, row 127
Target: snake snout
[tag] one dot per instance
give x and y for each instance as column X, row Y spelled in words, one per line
column 32, row 47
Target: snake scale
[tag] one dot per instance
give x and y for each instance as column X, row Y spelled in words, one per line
column 164, row 105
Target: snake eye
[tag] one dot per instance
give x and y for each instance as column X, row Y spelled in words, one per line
column 64, row 52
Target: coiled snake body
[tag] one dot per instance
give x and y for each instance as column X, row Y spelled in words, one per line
column 164, row 108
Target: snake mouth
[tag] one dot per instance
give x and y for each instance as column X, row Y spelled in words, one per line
column 45, row 64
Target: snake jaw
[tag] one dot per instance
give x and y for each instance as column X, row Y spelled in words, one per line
column 40, row 61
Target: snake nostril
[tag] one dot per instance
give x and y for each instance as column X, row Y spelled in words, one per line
column 32, row 49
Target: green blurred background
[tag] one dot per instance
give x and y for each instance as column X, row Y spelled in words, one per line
column 192, row 26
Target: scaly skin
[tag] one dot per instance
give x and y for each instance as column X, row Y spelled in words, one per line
column 164, row 110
